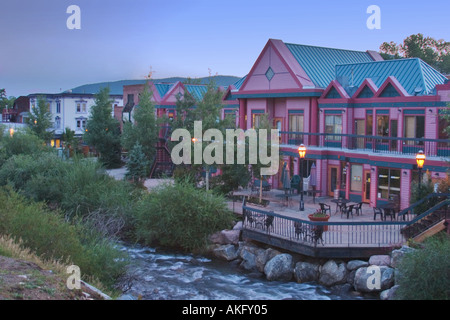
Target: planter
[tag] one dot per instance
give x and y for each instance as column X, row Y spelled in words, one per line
column 319, row 219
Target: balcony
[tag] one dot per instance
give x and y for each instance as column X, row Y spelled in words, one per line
column 373, row 144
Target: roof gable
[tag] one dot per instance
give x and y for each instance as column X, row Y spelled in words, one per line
column 367, row 89
column 319, row 62
column 391, row 88
column 414, row 75
column 335, row 91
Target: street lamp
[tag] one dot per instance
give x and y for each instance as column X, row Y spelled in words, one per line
column 11, row 132
column 301, row 153
column 420, row 159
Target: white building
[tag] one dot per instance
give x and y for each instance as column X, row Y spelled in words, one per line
column 71, row 110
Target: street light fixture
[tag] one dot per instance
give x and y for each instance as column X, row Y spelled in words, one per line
column 420, row 159
column 301, row 153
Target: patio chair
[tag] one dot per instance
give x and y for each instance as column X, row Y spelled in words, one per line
column 358, row 208
column 348, row 210
column 377, row 211
column 268, row 222
column 317, row 233
column 324, row 208
column 301, row 230
column 389, row 212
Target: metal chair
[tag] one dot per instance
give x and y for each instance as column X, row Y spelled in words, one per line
column 389, row 212
column 324, row 208
column 358, row 208
column 347, row 210
column 377, row 211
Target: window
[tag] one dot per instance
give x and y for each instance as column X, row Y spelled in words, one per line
column 57, row 123
column 295, row 125
column 414, row 128
column 58, row 106
column 383, row 126
column 83, row 107
column 231, row 115
column 333, row 124
column 388, row 183
column 257, row 119
column 369, row 124
column 81, row 124
column 356, row 178
column 78, row 107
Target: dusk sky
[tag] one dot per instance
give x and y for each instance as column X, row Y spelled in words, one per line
column 125, row 39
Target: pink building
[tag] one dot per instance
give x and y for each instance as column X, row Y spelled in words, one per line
column 362, row 119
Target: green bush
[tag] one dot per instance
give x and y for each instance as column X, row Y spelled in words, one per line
column 425, row 273
column 48, row 235
column 179, row 215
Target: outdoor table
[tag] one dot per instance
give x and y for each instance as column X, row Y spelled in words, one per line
column 340, row 203
column 388, row 208
column 314, row 192
column 286, row 197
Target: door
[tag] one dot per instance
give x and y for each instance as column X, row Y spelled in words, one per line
column 333, row 179
column 366, row 187
column 360, row 130
column 278, row 124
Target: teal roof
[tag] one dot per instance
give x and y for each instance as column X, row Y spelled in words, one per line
column 239, row 83
column 411, row 73
column 197, row 91
column 163, row 88
column 319, row 62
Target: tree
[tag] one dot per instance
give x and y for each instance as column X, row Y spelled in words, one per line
column 137, row 165
column 145, row 129
column 103, row 131
column 40, row 119
column 434, row 52
column 5, row 101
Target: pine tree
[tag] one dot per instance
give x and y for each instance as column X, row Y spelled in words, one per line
column 103, row 131
column 39, row 119
column 137, row 165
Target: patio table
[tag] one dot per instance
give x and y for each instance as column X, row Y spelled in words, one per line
column 340, row 204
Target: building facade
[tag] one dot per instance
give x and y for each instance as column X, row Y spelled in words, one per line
column 362, row 119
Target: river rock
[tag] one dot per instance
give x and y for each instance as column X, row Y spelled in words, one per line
column 279, row 268
column 306, row 271
column 380, row 260
column 226, row 237
column 356, row 264
column 397, row 255
column 373, row 279
column 389, row 294
column 226, row 252
column 333, row 273
column 263, row 256
column 238, row 226
column 248, row 260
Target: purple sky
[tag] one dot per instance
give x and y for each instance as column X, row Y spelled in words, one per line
column 124, row 39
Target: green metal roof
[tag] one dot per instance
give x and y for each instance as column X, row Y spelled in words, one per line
column 162, row 88
column 197, row 91
column 416, row 77
column 319, row 62
column 239, row 83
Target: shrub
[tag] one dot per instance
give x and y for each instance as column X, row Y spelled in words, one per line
column 425, row 273
column 179, row 215
column 48, row 235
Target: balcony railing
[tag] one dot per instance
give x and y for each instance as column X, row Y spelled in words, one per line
column 376, row 144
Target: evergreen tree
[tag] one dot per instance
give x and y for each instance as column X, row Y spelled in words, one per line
column 40, row 119
column 103, row 131
column 145, row 128
column 137, row 165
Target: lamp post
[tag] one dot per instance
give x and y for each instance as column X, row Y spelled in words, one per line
column 420, row 159
column 301, row 153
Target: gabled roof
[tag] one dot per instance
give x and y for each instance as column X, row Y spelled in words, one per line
column 414, row 75
column 196, row 90
column 163, row 88
column 319, row 62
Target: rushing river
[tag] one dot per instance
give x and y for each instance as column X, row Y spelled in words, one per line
column 155, row 274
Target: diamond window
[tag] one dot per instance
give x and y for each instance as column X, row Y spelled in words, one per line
column 269, row 74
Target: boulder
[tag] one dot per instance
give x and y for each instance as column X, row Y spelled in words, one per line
column 380, row 260
column 333, row 273
column 226, row 237
column 226, row 252
column 373, row 279
column 356, row 264
column 263, row 256
column 397, row 255
column 238, row 226
column 389, row 294
column 279, row 268
column 306, row 271
column 248, row 260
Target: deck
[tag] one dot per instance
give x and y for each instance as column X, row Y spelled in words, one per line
column 283, row 225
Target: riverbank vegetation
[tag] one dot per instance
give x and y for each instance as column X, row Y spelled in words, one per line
column 71, row 210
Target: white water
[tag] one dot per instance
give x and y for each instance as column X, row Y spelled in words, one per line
column 167, row 275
